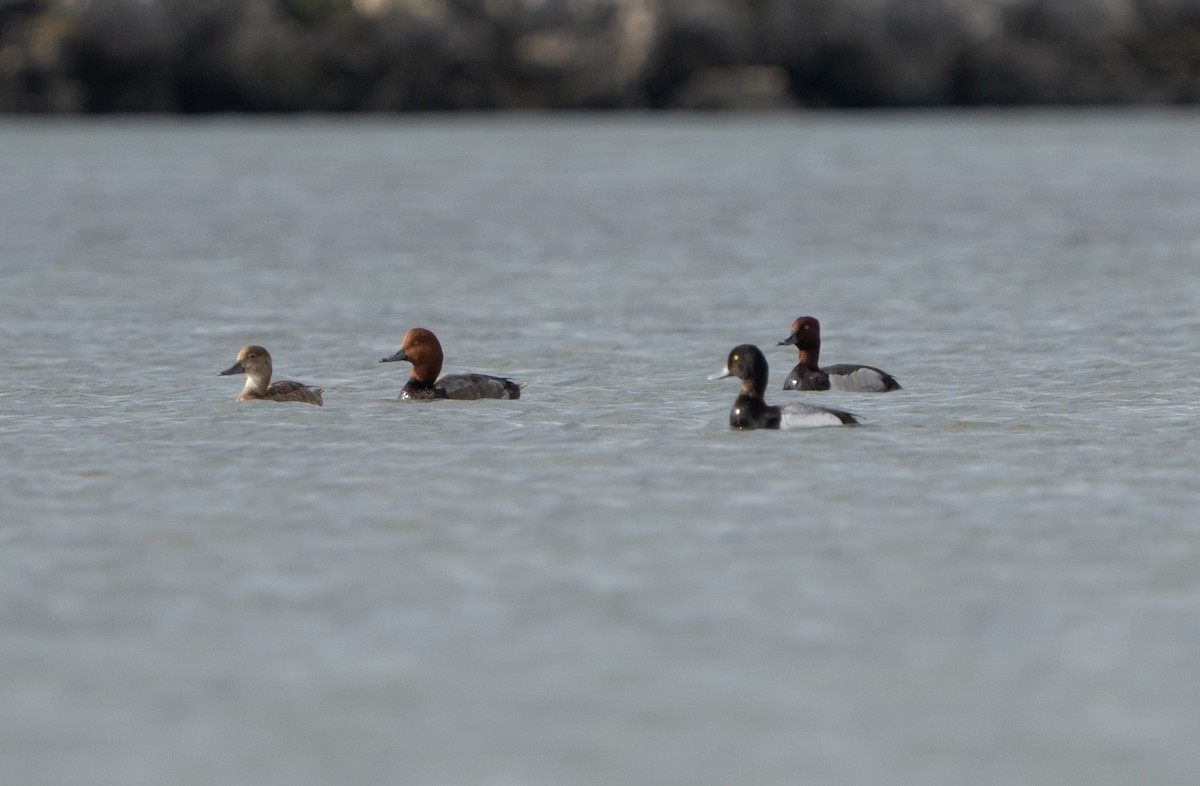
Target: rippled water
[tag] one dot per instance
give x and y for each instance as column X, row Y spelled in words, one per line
column 994, row 581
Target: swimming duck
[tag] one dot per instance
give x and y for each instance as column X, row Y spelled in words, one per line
column 421, row 348
column 255, row 363
column 807, row 375
column 747, row 363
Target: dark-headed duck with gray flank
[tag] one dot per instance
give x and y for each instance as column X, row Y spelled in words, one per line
column 808, row 375
column 255, row 363
column 747, row 363
column 421, row 348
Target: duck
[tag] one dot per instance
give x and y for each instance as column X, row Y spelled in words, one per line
column 422, row 348
column 807, row 375
column 750, row 411
column 255, row 362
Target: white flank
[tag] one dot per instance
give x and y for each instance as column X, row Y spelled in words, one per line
column 807, row 416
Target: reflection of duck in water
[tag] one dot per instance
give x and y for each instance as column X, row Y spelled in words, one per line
column 255, row 363
column 421, row 348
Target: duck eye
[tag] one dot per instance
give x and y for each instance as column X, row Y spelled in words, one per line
column 736, row 357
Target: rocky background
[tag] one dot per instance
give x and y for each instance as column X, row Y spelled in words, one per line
column 403, row 55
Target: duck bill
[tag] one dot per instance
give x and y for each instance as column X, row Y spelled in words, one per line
column 236, row 368
column 792, row 339
column 398, row 356
column 721, row 374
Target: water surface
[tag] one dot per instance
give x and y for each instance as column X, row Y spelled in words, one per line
column 994, row 581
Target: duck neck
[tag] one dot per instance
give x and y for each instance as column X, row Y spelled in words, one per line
column 425, row 374
column 755, row 386
column 417, row 383
column 808, row 357
column 425, row 371
column 256, row 386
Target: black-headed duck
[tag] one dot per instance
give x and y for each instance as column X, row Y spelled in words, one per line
column 421, row 348
column 808, row 375
column 255, row 363
column 747, row 363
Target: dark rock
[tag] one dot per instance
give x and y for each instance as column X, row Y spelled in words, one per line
column 699, row 43
column 402, row 55
column 755, row 88
column 1057, row 53
column 37, row 44
column 856, row 53
column 1167, row 47
column 582, row 54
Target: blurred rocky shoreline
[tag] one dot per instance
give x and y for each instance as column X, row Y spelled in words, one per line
column 65, row 56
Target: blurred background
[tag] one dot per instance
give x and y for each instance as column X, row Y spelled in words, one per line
column 67, row 56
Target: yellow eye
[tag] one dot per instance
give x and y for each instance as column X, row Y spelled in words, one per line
column 735, row 357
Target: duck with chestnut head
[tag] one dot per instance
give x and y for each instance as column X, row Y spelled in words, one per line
column 808, row 374
column 422, row 348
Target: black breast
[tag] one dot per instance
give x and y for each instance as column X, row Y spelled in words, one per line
column 750, row 413
column 803, row 378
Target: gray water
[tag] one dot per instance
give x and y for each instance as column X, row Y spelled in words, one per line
column 995, row 580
